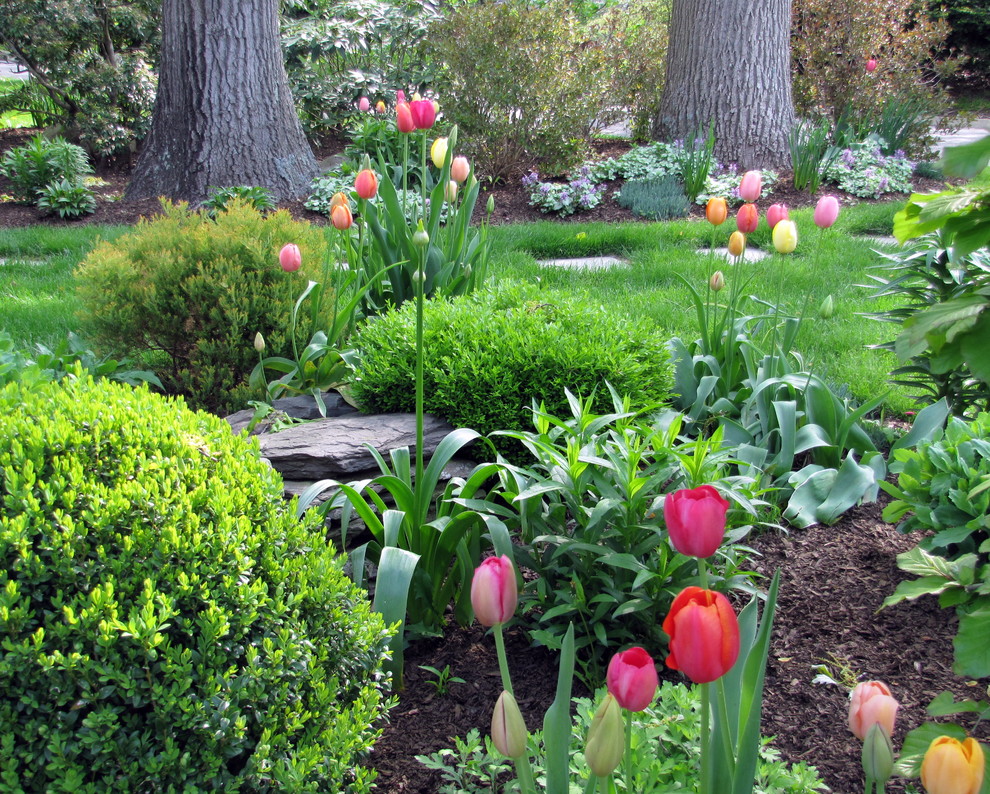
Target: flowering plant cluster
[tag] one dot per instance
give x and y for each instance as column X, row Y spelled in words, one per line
column 582, row 193
column 863, row 170
column 724, row 181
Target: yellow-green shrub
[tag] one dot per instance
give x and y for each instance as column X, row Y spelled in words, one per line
column 168, row 624
column 198, row 289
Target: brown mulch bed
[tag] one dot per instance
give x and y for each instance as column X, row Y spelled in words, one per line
column 834, row 580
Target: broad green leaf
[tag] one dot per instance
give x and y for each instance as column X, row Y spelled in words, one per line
column 923, row 563
column 395, row 573
column 916, row 588
column 972, row 644
column 917, row 742
column 968, row 159
column 945, row 705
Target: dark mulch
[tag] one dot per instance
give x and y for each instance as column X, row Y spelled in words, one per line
column 834, row 580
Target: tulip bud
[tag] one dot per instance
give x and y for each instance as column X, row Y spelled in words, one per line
column 364, row 104
column 259, row 342
column 747, row 218
column 871, row 65
column 826, row 211
column 494, row 594
column 420, row 238
column 716, row 211
column 695, row 519
column 490, row 206
column 341, row 218
column 606, row 738
column 438, row 152
column 400, row 97
column 436, row 107
column 878, row 755
column 827, row 309
column 379, row 107
column 632, row 679
column 751, row 186
column 785, row 236
column 871, row 703
column 417, row 97
column 953, row 767
column 509, row 732
column 339, row 199
column 423, row 114
column 450, row 192
column 737, row 244
column 366, row 184
column 289, row 258
column 460, row 168
column 403, row 118
column 717, row 282
column 775, row 214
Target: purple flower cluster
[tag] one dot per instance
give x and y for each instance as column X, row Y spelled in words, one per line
column 530, row 179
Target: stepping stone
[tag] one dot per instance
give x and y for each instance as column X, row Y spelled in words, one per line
column 586, row 263
column 878, row 239
column 750, row 254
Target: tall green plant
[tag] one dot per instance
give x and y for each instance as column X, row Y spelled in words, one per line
column 694, row 161
column 811, row 153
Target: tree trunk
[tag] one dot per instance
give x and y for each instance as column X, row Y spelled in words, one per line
column 729, row 63
column 223, row 114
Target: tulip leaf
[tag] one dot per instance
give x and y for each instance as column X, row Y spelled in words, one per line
column 395, row 572
column 971, row 647
column 557, row 722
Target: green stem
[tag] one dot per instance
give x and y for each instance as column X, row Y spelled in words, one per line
column 591, row 785
column 503, row 662
column 420, row 287
column 524, row 773
column 706, row 752
column 703, row 573
column 629, row 763
column 422, row 176
column 405, row 172
column 729, row 757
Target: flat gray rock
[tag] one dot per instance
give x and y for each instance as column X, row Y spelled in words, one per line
column 302, row 407
column 750, row 254
column 586, row 263
column 335, row 447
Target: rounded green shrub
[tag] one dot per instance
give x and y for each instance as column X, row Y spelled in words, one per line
column 168, row 624
column 488, row 355
column 194, row 291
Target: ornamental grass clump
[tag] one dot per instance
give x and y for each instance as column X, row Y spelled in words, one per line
column 168, row 623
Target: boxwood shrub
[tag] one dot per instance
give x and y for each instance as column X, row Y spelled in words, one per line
column 168, row 624
column 490, row 354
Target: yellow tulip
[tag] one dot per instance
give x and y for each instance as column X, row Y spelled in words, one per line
column 737, row 243
column 438, row 152
column 953, row 767
column 785, row 236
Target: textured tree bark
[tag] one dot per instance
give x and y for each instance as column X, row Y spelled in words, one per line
column 729, row 63
column 223, row 114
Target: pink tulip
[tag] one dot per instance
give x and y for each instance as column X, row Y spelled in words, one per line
column 871, row 64
column 871, row 703
column 423, row 113
column 363, row 104
column 460, row 168
column 776, row 213
column 366, row 183
column 289, row 258
column 751, row 186
column 400, row 97
column 493, row 591
column 747, row 218
column 404, row 118
column 632, row 679
column 826, row 211
column 695, row 519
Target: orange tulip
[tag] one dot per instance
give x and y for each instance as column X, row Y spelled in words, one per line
column 404, row 118
column 704, row 634
column 366, row 184
column 341, row 218
column 953, row 767
column 716, row 211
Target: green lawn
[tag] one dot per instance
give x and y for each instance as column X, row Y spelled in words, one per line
column 38, row 303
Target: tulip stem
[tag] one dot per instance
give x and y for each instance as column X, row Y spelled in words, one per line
column 629, row 763
column 419, row 484
column 727, row 745
column 503, row 662
column 706, row 748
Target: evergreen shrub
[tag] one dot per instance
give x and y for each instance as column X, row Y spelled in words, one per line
column 489, row 355
column 197, row 289
column 658, row 199
column 169, row 624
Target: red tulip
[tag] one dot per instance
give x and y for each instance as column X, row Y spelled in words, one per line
column 704, row 634
column 423, row 113
column 289, row 258
column 632, row 679
column 366, row 184
column 363, row 104
column 460, row 168
column 404, row 118
column 716, row 211
column 871, row 703
column 493, row 591
column 826, row 211
column 751, row 186
column 341, row 217
column 695, row 519
column 747, row 218
column 871, row 64
column 776, row 213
